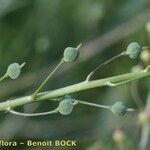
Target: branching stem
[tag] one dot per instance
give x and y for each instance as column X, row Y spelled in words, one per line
column 48, row 95
column 56, row 110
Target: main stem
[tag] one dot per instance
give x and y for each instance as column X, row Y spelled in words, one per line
column 73, row 88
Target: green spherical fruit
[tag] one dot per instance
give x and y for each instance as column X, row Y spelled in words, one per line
column 66, row 106
column 119, row 108
column 133, row 50
column 71, row 54
column 14, row 70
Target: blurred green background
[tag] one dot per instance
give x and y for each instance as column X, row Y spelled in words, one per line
column 37, row 31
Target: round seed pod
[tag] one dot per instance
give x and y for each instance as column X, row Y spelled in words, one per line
column 14, row 70
column 70, row 54
column 65, row 106
column 119, row 108
column 133, row 50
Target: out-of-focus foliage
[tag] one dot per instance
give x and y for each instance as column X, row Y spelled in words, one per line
column 37, row 31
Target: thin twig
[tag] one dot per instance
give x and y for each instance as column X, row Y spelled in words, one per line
column 46, row 80
column 93, row 104
column 3, row 77
column 100, row 106
column 31, row 115
column 103, row 64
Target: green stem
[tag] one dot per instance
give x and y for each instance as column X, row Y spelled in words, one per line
column 46, row 80
column 100, row 106
column 73, row 88
column 101, row 65
column 31, row 115
column 79, row 46
column 3, row 77
column 93, row 104
column 23, row 64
